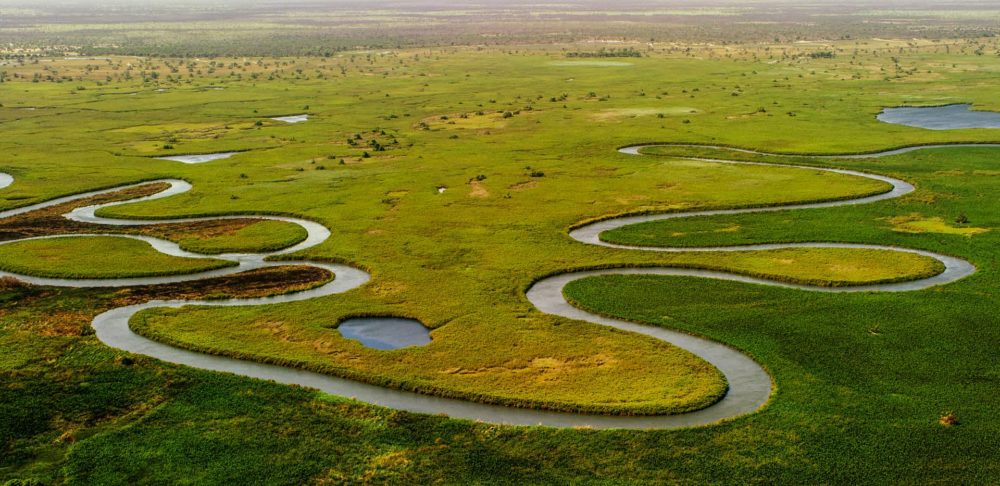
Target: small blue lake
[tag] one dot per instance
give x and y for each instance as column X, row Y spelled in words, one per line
column 947, row 117
column 385, row 332
column 198, row 158
column 292, row 118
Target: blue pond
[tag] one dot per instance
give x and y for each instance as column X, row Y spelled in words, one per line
column 385, row 332
column 946, row 117
column 198, row 158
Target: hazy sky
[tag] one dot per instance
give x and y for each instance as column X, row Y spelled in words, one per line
column 501, row 3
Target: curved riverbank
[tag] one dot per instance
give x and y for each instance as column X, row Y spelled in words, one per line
column 750, row 386
column 636, row 150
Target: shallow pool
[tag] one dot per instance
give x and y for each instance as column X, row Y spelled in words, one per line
column 947, row 117
column 198, row 158
column 292, row 118
column 385, row 332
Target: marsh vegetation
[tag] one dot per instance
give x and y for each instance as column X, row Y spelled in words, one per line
column 452, row 170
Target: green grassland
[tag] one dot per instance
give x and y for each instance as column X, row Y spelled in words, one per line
column 97, row 257
column 861, row 379
column 260, row 236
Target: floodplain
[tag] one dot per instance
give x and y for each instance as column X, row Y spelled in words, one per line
column 441, row 186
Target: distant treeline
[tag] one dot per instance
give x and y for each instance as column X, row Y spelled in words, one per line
column 216, row 38
column 822, row 55
column 624, row 52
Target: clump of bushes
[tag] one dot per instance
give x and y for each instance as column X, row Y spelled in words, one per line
column 949, row 419
column 11, row 283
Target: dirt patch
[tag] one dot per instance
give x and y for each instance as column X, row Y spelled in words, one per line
column 520, row 186
column 50, row 221
column 622, row 113
column 387, row 288
column 541, row 369
column 478, row 190
column 255, row 283
column 261, row 282
column 628, row 199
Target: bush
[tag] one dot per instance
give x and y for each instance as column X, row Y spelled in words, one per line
column 949, row 419
column 9, row 283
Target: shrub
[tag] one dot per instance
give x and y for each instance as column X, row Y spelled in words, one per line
column 949, row 419
column 10, row 283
